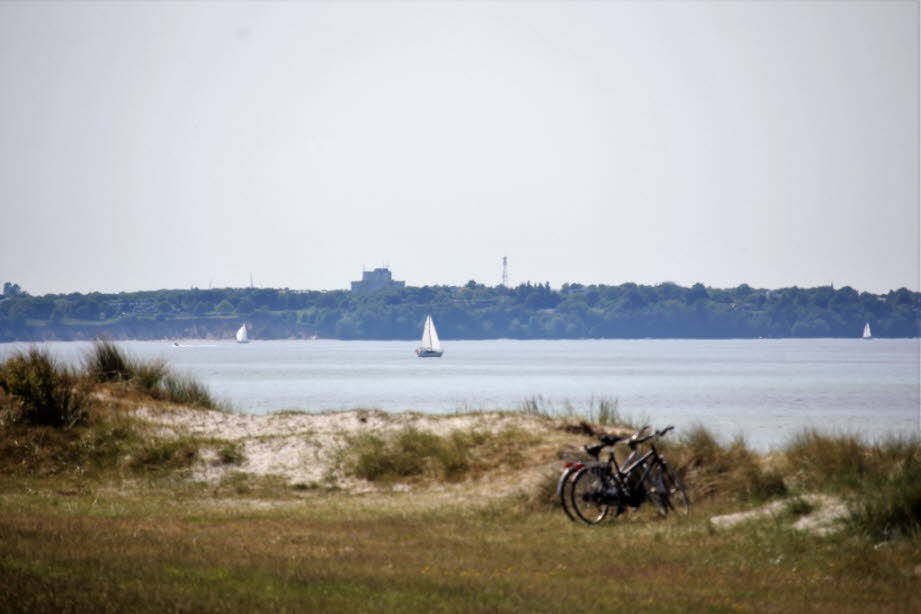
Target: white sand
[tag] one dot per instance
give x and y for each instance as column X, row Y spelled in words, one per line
column 304, row 448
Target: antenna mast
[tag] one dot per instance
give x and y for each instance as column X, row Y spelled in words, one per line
column 504, row 272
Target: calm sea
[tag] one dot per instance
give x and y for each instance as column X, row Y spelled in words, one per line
column 765, row 390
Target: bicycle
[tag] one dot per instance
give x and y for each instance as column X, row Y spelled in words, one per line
column 598, row 486
column 571, row 468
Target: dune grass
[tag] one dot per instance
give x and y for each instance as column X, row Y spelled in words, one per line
column 881, row 481
column 107, row 363
column 601, row 411
column 412, row 454
column 36, row 390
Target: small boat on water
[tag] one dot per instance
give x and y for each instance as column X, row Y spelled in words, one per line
column 866, row 331
column 242, row 337
column 430, row 346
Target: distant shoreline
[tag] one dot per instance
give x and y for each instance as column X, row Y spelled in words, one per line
column 473, row 311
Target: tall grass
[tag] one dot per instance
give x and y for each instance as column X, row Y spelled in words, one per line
column 603, row 411
column 106, row 362
column 186, row 391
column 39, row 391
column 882, row 482
column 711, row 468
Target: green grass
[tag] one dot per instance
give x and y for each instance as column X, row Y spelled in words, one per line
column 411, row 454
column 149, row 552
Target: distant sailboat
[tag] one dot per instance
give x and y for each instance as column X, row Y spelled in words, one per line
column 242, row 337
column 866, row 331
column 431, row 346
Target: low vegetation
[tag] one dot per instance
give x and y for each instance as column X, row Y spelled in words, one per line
column 99, row 512
column 411, row 454
column 37, row 391
column 106, row 363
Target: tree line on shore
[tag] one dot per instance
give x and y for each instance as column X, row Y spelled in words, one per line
column 472, row 311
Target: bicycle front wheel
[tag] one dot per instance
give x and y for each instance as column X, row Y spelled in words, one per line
column 669, row 493
column 587, row 494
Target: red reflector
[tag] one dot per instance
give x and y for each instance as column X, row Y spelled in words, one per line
column 567, row 465
column 579, row 465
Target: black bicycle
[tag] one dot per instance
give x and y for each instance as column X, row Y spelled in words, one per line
column 598, row 487
column 571, row 469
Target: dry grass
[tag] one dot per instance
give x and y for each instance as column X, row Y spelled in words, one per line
column 103, row 551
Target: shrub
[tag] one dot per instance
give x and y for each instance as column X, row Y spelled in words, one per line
column 41, row 392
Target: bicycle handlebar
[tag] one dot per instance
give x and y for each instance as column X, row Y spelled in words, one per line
column 632, row 441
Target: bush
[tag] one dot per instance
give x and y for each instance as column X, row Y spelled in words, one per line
column 41, row 392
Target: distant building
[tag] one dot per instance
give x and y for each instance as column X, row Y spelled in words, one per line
column 375, row 281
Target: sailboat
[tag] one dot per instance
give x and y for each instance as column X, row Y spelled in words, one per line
column 866, row 331
column 242, row 337
column 431, row 346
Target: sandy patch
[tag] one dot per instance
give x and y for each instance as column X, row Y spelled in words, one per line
column 303, row 448
column 824, row 518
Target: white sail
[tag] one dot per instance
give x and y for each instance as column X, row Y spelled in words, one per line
column 434, row 343
column 430, row 344
column 242, row 337
column 866, row 331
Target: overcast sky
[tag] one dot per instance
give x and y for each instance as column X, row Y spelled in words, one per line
column 178, row 144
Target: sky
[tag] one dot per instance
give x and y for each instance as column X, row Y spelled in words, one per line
column 193, row 144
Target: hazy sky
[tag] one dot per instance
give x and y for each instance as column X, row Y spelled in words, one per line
column 177, row 144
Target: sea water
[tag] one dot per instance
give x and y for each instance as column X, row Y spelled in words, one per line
column 765, row 390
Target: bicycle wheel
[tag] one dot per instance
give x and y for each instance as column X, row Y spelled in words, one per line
column 588, row 486
column 563, row 491
column 666, row 491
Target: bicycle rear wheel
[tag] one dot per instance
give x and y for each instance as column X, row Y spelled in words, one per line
column 564, row 491
column 588, row 486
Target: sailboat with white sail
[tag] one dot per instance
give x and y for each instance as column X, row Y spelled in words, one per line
column 431, row 345
column 866, row 331
column 242, row 336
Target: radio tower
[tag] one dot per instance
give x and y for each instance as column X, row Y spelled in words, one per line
column 504, row 272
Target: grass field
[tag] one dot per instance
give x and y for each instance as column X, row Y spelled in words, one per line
column 104, row 550
column 105, row 510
